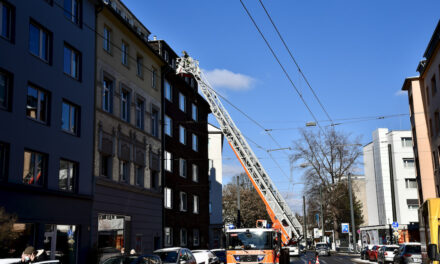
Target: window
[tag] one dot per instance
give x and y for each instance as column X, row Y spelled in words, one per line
column 182, row 102
column 195, row 173
column 140, row 108
column 67, row 175
column 165, row 55
column 406, row 142
column 37, row 104
column 182, row 167
column 168, row 198
column 5, row 21
column 196, row 204
column 194, row 112
column 183, row 202
column 193, row 83
column 139, row 175
column 155, row 122
column 183, row 237
column 182, row 135
column 168, row 161
column 410, row 183
column 69, row 118
column 154, row 179
column 196, row 237
column 427, row 94
column 106, row 165
column 430, row 128
column 106, row 39
column 195, row 142
column 436, row 121
column 71, row 10
column 39, row 41
column 168, row 126
column 71, row 62
column 4, row 153
column 34, row 168
column 168, row 231
column 5, row 90
column 124, row 50
column 433, row 86
column 107, row 95
column 124, row 171
column 125, row 105
column 139, row 66
column 168, row 91
column 412, row 203
column 153, row 78
column 408, row 163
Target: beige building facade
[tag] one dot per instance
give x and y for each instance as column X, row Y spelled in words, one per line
column 424, row 102
column 128, row 197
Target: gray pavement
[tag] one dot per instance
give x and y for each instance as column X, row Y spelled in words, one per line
column 333, row 259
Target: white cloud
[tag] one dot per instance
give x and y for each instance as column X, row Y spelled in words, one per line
column 222, row 78
column 400, row 93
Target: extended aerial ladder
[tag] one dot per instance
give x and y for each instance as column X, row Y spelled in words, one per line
column 277, row 208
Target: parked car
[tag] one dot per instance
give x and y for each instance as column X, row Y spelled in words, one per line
column 133, row 259
column 293, row 250
column 176, row 255
column 322, row 249
column 17, row 260
column 408, row 253
column 372, row 254
column 204, row 256
column 386, row 254
column 221, row 254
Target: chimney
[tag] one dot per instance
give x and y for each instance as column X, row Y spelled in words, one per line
column 154, row 37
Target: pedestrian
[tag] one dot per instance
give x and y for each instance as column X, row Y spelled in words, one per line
column 132, row 252
column 28, row 255
column 123, row 251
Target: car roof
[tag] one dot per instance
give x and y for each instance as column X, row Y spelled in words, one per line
column 200, row 250
column 168, row 249
column 218, row 249
column 411, row 243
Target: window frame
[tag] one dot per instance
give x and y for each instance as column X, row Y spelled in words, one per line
column 407, row 161
column 168, row 91
column 153, row 78
column 9, row 81
column 182, row 137
column 75, row 62
column 183, row 168
column 108, row 166
column 168, row 230
column 195, row 142
column 410, row 183
column 125, row 95
column 168, row 125
column 139, row 115
column 139, row 179
column 76, row 116
column 10, row 20
column 71, row 15
column 196, row 204
column 168, row 159
column 194, row 112
column 73, row 178
column 182, row 102
column 41, row 30
column 4, row 161
column 196, row 234
column 44, row 168
column 124, row 171
column 155, row 112
column 107, row 90
column 140, row 66
column 195, row 173
column 168, row 198
column 406, row 141
column 38, row 110
column 183, row 201
column 106, row 39
column 124, row 53
column 183, row 237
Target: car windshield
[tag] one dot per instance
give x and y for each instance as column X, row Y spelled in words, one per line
column 250, row 240
column 391, row 248
column 220, row 253
column 168, row 256
column 321, row 246
column 412, row 249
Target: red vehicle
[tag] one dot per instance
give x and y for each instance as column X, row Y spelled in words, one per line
column 372, row 254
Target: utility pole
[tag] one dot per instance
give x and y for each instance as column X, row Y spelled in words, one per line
column 305, row 220
column 238, row 202
column 322, row 214
column 353, row 228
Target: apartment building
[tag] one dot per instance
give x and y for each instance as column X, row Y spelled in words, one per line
column 424, row 102
column 46, row 110
column 127, row 209
column 390, row 174
column 215, row 155
column 186, row 176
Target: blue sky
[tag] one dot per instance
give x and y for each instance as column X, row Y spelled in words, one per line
column 356, row 55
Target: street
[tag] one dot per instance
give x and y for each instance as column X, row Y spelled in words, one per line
column 333, row 259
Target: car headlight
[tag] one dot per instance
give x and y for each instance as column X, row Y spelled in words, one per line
column 237, row 258
column 260, row 258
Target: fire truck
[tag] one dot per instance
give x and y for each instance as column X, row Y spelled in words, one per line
column 249, row 244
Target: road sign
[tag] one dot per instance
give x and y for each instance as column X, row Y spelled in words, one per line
column 345, row 228
column 395, row 225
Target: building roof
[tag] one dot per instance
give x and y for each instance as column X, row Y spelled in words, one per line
column 432, row 46
column 407, row 82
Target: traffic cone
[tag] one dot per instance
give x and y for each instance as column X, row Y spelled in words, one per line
column 317, row 260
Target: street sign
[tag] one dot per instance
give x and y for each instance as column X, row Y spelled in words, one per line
column 345, row 228
column 395, row 225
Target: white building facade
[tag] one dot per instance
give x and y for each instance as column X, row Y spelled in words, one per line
column 215, row 155
column 390, row 175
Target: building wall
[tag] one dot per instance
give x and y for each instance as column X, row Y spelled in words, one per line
column 370, row 185
column 215, row 154
column 47, row 204
column 359, row 190
column 137, row 201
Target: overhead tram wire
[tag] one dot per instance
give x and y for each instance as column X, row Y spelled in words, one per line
column 296, row 63
column 287, row 75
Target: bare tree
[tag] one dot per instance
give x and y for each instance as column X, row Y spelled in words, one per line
column 327, row 158
column 252, row 207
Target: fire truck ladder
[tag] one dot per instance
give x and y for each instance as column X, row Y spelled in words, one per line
column 278, row 209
